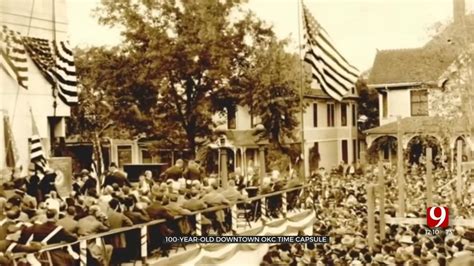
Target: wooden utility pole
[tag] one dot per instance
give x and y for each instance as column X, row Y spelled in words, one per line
column 400, row 170
column 381, row 189
column 429, row 177
column 370, row 213
column 458, row 171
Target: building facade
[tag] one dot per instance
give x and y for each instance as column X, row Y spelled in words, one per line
column 427, row 90
column 38, row 102
column 330, row 132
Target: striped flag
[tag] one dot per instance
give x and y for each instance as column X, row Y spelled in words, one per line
column 12, row 158
column 328, row 67
column 56, row 61
column 13, row 56
column 37, row 157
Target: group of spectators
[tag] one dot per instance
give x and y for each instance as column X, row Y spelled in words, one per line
column 341, row 208
column 34, row 213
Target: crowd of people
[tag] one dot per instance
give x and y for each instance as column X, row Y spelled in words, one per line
column 341, row 207
column 35, row 212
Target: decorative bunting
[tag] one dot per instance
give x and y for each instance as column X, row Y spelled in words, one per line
column 56, row 62
column 13, row 56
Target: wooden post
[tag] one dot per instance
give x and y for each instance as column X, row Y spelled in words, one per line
column 370, row 213
column 144, row 243
column 429, row 177
column 83, row 252
column 224, row 161
column 458, row 171
column 284, row 204
column 198, row 224
column 400, row 171
column 261, row 152
column 263, row 208
column 233, row 211
column 381, row 189
column 451, row 165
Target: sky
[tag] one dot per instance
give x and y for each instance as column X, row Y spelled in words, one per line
column 358, row 28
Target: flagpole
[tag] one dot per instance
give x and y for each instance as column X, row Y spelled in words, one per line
column 303, row 159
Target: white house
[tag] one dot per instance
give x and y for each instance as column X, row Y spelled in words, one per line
column 30, row 19
column 424, row 87
column 330, row 131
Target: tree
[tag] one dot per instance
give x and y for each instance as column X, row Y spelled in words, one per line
column 368, row 103
column 94, row 116
column 182, row 57
column 272, row 81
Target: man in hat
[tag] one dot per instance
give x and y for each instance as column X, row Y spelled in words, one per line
column 68, row 222
column 117, row 220
column 91, row 223
column 193, row 171
column 89, row 182
column 174, row 172
column 193, row 203
column 47, row 183
column 115, row 176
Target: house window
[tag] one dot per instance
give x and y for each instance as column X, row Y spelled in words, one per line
column 330, row 114
column 124, row 155
column 344, row 151
column 231, row 118
column 419, row 102
column 354, row 150
column 315, row 115
column 146, row 156
column 384, row 104
column 254, row 120
column 343, row 114
column 354, row 115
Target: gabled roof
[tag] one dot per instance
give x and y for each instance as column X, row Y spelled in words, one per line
column 406, row 66
column 425, row 64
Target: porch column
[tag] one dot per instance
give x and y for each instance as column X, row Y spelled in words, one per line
column 261, row 152
column 243, row 162
column 224, row 161
column 400, row 171
column 452, row 159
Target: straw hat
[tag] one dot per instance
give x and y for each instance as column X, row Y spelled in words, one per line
column 348, row 241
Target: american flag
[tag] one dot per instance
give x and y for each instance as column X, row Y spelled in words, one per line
column 13, row 57
column 10, row 146
column 37, row 157
column 329, row 68
column 56, row 61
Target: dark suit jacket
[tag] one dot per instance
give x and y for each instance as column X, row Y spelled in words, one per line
column 4, row 244
column 174, row 172
column 137, row 216
column 194, row 205
column 69, row 224
column 118, row 177
column 193, row 173
column 41, row 231
column 157, row 211
column 46, row 184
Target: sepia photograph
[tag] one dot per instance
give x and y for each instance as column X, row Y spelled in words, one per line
column 237, row 132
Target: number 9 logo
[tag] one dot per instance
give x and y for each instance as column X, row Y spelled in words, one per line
column 437, row 217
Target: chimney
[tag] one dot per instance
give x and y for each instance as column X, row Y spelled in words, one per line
column 459, row 10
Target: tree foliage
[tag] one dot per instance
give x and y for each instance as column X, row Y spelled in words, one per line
column 368, row 103
column 182, row 60
column 272, row 81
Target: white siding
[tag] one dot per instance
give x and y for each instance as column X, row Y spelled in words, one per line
column 398, row 105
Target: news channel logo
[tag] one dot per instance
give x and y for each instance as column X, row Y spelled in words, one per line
column 437, row 220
